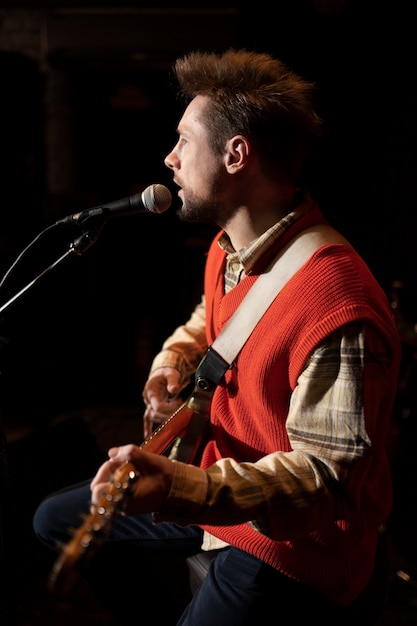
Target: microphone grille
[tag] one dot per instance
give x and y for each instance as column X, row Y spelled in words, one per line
column 157, row 198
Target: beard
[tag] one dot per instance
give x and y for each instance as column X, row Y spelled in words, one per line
column 207, row 209
column 195, row 210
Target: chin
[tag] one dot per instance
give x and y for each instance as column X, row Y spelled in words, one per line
column 189, row 215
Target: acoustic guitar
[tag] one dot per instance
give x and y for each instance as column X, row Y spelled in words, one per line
column 181, row 437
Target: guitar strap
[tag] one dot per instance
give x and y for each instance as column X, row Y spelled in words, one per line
column 194, row 412
column 227, row 345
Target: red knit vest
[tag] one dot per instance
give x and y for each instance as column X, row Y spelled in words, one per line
column 249, row 408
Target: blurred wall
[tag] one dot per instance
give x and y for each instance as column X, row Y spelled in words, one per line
column 87, row 115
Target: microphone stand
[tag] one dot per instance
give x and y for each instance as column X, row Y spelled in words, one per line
column 79, row 246
column 8, row 609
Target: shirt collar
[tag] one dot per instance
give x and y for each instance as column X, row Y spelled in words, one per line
column 251, row 253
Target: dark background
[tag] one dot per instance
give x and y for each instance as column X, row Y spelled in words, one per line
column 91, row 121
column 87, row 114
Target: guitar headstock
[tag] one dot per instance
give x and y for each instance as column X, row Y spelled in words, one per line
column 93, row 531
column 188, row 423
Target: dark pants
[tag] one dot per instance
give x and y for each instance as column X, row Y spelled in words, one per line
column 141, row 570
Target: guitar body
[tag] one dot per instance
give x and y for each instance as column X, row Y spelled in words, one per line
column 181, row 435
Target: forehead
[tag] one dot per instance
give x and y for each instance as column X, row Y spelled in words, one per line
column 193, row 116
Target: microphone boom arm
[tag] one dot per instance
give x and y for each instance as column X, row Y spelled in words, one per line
column 78, row 247
column 154, row 199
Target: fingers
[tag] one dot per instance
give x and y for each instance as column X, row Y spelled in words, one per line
column 118, row 457
column 149, row 491
column 104, row 473
column 147, row 424
column 154, row 417
column 161, row 386
column 160, row 397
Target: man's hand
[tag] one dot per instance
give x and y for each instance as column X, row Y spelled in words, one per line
column 161, row 397
column 150, row 491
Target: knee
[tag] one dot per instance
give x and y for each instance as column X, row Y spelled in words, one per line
column 58, row 515
column 43, row 523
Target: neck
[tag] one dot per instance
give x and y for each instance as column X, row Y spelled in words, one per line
column 248, row 222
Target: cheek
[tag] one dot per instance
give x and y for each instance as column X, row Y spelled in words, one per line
column 199, row 167
column 195, row 169
column 207, row 165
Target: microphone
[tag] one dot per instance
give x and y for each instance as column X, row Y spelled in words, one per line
column 155, row 199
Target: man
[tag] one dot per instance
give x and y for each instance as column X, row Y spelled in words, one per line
column 293, row 485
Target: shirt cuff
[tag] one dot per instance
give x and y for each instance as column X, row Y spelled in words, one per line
column 187, row 496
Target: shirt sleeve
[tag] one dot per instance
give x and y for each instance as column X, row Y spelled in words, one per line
column 187, row 345
column 326, row 426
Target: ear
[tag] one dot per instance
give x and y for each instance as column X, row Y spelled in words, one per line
column 237, row 154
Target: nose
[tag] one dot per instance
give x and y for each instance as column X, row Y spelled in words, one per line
column 168, row 162
column 171, row 160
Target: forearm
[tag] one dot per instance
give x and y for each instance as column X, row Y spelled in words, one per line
column 285, row 495
column 185, row 348
column 289, row 493
column 262, row 493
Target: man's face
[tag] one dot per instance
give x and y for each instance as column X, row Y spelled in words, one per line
column 198, row 170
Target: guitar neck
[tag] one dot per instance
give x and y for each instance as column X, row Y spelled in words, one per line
column 166, row 433
column 185, row 428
